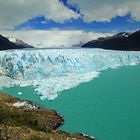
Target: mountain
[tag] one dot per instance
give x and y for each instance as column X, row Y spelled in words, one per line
column 11, row 43
column 121, row 41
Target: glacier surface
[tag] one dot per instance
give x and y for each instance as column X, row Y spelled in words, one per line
column 51, row 71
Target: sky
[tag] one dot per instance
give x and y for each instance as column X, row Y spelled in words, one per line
column 65, row 23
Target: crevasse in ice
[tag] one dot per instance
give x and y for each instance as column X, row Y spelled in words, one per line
column 51, row 71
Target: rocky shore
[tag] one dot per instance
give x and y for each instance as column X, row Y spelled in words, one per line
column 24, row 120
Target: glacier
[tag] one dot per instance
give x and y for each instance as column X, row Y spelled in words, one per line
column 51, row 71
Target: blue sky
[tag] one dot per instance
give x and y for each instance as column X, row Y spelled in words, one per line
column 117, row 24
column 87, row 15
column 67, row 22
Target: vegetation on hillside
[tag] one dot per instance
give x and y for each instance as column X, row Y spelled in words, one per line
column 22, row 123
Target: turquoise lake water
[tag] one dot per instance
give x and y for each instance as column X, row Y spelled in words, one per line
column 107, row 107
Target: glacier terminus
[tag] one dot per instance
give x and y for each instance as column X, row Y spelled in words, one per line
column 50, row 71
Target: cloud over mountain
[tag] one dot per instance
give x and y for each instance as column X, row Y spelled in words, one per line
column 54, row 37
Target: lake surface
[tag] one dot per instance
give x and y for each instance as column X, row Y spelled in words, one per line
column 107, row 107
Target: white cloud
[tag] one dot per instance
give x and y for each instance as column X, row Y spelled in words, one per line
column 105, row 10
column 54, row 37
column 14, row 12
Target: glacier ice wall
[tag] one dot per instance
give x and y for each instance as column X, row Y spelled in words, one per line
column 51, row 71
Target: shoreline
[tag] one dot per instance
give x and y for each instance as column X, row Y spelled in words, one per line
column 24, row 113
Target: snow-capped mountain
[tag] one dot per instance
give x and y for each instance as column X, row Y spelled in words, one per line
column 51, row 71
column 120, row 41
column 122, row 34
column 12, row 43
column 18, row 42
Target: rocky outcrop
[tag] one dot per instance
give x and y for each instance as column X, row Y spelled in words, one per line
column 20, row 122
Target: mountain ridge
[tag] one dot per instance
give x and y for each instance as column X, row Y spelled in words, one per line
column 7, row 44
column 121, row 41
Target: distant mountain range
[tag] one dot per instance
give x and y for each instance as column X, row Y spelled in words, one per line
column 121, row 41
column 12, row 43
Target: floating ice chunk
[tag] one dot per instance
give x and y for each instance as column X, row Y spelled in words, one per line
column 19, row 93
column 51, row 71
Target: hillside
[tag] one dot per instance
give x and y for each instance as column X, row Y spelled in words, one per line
column 24, row 120
column 6, row 44
column 122, row 41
